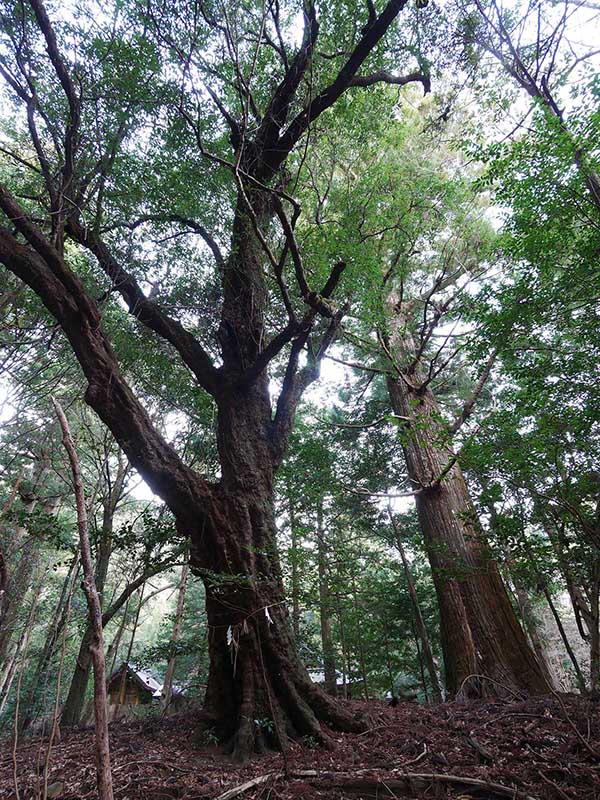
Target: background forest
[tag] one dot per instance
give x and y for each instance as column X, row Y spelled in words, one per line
column 317, row 288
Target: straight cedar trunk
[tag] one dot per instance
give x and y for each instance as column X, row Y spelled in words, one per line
column 419, row 623
column 295, row 587
column 167, row 691
column 480, row 632
column 329, row 667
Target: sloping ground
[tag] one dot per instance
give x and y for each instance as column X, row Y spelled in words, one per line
column 545, row 748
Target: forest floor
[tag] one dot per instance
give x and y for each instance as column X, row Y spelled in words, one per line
column 545, row 748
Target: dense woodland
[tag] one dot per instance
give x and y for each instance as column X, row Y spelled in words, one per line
column 300, row 396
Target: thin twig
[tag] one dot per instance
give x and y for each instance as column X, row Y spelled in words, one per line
column 579, row 735
column 552, row 783
column 16, row 733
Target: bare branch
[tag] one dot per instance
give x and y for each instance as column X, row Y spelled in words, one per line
column 66, row 83
column 195, row 226
column 148, row 312
column 381, row 76
column 467, row 409
column 371, row 36
column 296, row 381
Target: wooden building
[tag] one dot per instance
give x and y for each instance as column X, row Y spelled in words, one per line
column 350, row 687
column 131, row 686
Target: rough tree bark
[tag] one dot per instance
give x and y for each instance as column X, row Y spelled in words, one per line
column 479, row 629
column 254, row 669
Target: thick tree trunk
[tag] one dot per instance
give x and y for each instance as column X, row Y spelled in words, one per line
column 479, row 629
column 255, row 672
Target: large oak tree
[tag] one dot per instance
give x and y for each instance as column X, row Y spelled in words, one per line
column 135, row 127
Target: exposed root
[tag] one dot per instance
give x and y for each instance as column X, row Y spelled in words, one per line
column 406, row 783
column 334, row 712
column 477, row 686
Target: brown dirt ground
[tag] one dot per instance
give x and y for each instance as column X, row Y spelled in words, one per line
column 545, row 748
